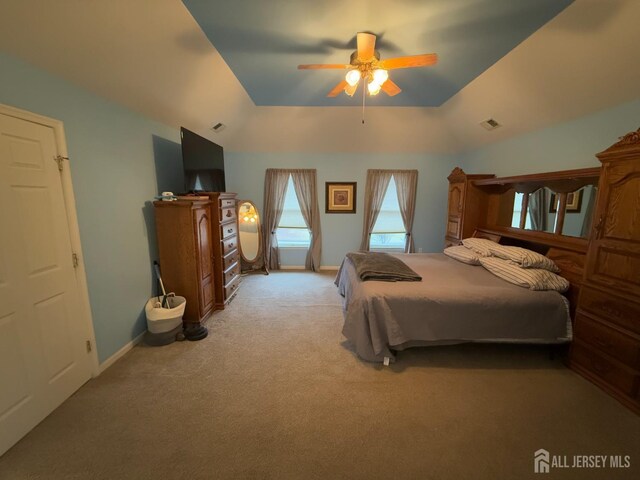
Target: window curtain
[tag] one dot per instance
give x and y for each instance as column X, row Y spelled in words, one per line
column 305, row 184
column 406, row 186
column 538, row 209
column 376, row 187
column 275, row 187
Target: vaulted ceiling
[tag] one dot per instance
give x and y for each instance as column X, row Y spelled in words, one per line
column 153, row 57
column 264, row 41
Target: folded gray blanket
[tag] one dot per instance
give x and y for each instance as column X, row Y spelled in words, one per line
column 382, row 266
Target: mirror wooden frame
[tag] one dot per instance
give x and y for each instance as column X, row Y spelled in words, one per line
column 258, row 264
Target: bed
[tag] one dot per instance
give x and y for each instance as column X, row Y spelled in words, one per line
column 454, row 303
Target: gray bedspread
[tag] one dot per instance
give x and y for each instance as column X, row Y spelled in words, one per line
column 381, row 266
column 454, row 303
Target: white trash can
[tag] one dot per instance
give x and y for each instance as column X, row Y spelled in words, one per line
column 162, row 320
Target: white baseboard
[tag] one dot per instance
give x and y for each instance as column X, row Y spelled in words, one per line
column 120, row 353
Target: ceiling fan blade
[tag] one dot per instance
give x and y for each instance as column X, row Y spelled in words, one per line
column 390, row 88
column 366, row 46
column 337, row 89
column 409, row 62
column 320, row 66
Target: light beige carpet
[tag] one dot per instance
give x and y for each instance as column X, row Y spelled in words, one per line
column 273, row 393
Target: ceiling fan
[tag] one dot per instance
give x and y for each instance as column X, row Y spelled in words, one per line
column 365, row 64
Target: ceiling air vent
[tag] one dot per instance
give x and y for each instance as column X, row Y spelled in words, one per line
column 490, row 124
column 218, row 127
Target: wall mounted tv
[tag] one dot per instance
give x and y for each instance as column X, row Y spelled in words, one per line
column 203, row 163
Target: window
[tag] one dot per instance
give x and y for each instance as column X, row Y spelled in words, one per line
column 517, row 209
column 292, row 230
column 388, row 233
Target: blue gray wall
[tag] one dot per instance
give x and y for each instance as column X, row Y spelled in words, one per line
column 113, row 156
column 342, row 232
column 563, row 146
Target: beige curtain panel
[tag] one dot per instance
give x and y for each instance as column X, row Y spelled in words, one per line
column 376, row 187
column 275, row 187
column 305, row 184
column 407, row 186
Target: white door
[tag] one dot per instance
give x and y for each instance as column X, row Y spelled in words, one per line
column 43, row 353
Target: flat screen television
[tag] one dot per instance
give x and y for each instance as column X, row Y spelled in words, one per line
column 203, row 163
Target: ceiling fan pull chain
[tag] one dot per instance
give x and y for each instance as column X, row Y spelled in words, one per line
column 363, row 97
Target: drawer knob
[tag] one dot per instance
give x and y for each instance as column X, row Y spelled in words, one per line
column 231, row 245
column 228, row 213
column 229, row 230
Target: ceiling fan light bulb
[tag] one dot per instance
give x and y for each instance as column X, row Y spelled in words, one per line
column 373, row 87
column 380, row 76
column 352, row 77
column 350, row 89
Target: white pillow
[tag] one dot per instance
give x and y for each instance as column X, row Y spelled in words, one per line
column 481, row 246
column 462, row 254
column 523, row 257
column 532, row 278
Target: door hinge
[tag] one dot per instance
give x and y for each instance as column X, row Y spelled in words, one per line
column 88, row 346
column 75, row 260
column 59, row 159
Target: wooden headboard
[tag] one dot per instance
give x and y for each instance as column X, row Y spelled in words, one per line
column 568, row 253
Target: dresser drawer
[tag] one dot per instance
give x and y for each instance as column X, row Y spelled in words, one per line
column 227, row 202
column 229, row 244
column 611, row 308
column 228, row 229
column 229, row 259
column 608, row 370
column 231, row 288
column 227, row 214
column 231, row 272
column 611, row 341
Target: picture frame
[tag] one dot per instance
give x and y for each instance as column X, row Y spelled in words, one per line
column 574, row 202
column 340, row 197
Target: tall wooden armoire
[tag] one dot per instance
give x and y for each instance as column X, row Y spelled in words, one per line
column 606, row 348
column 184, row 232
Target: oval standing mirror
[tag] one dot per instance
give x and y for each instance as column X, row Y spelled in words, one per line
column 250, row 236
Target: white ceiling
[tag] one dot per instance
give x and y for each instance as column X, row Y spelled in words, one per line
column 152, row 57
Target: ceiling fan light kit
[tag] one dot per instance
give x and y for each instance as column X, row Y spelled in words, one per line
column 365, row 64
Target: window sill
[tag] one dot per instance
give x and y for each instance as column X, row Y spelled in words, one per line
column 287, row 247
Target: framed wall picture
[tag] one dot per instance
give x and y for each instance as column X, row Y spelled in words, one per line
column 574, row 202
column 340, row 197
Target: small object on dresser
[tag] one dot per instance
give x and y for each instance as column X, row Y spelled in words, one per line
column 166, row 197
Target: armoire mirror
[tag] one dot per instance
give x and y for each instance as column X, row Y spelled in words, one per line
column 250, row 237
column 542, row 210
column 560, row 203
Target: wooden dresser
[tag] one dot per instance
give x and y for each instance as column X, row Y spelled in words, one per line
column 606, row 348
column 467, row 206
column 226, row 264
column 184, row 232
